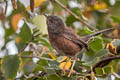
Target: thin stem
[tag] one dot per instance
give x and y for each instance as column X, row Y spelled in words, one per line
column 6, row 2
column 36, row 57
column 73, row 14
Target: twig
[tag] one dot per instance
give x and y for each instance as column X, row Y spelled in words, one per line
column 102, row 61
column 73, row 14
column 37, row 57
column 6, row 5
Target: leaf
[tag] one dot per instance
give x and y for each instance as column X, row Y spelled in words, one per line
column 115, row 19
column 101, row 53
column 116, row 42
column 100, row 5
column 87, row 30
column 40, row 22
column 23, row 37
column 114, row 10
column 113, row 46
column 39, row 68
column 15, row 19
column 90, row 63
column 96, row 44
column 57, row 8
column 103, row 71
column 10, row 66
column 54, row 65
column 99, row 71
column 69, row 20
column 27, row 65
column 53, row 77
column 107, row 70
column 25, row 60
column 43, row 62
column 63, row 58
column 65, row 65
column 52, row 56
column 37, row 3
column 45, row 43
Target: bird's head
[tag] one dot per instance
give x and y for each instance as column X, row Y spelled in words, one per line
column 55, row 24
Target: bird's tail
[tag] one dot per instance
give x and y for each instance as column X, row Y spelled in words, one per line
column 86, row 38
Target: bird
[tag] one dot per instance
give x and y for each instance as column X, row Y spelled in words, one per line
column 65, row 41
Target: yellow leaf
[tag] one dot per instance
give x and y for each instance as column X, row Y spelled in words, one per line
column 40, row 22
column 63, row 59
column 65, row 65
column 100, row 5
column 52, row 56
column 15, row 20
column 37, row 3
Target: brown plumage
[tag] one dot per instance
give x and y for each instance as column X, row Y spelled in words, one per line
column 64, row 40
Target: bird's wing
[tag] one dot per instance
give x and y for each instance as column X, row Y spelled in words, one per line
column 70, row 35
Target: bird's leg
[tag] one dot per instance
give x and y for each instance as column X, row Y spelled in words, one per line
column 64, row 68
column 74, row 61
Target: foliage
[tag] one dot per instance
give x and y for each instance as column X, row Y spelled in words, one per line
column 35, row 58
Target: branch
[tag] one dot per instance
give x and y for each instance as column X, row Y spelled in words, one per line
column 6, row 5
column 37, row 57
column 73, row 14
column 103, row 61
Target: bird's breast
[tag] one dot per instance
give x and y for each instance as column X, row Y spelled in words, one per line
column 63, row 45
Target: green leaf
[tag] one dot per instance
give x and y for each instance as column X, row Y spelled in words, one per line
column 53, row 77
column 102, row 71
column 58, row 8
column 40, row 22
column 46, row 43
column 114, row 10
column 23, row 37
column 116, row 42
column 99, row 71
column 96, row 44
column 43, row 62
column 87, row 30
column 39, row 68
column 51, row 71
column 69, row 20
column 26, row 53
column 54, row 65
column 107, row 70
column 27, row 64
column 91, row 55
column 90, row 63
column 101, row 53
column 29, row 67
column 115, row 19
column 10, row 66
